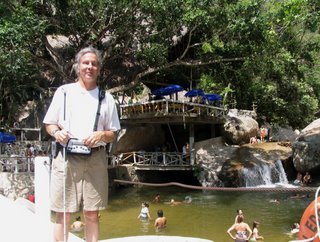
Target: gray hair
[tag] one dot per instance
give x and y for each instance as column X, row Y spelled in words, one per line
column 81, row 53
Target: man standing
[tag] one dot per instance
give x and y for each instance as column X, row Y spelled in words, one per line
column 78, row 111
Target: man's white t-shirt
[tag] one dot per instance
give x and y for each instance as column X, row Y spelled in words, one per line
column 74, row 109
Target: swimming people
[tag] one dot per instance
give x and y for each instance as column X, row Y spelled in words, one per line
column 298, row 180
column 174, row 202
column 295, row 228
column 157, row 198
column 188, row 199
column 77, row 225
column 255, row 232
column 161, row 221
column 144, row 213
column 242, row 229
column 239, row 212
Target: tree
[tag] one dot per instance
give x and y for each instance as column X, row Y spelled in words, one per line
column 256, row 50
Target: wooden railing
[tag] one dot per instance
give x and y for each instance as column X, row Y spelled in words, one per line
column 167, row 106
column 151, row 159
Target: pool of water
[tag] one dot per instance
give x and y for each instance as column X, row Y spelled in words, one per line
column 208, row 216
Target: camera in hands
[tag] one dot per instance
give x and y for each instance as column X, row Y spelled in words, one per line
column 76, row 146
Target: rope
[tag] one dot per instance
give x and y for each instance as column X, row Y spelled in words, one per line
column 228, row 189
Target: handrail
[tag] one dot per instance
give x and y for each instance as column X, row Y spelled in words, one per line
column 151, row 159
column 17, row 164
column 168, row 106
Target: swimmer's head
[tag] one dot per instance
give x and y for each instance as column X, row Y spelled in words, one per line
column 239, row 211
column 160, row 213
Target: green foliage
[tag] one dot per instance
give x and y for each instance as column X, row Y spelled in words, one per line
column 248, row 51
column 20, row 79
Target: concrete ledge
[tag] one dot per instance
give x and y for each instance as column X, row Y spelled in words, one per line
column 155, row 238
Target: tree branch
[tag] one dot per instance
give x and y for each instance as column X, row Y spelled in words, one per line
column 177, row 62
column 54, row 54
column 51, row 66
column 188, row 45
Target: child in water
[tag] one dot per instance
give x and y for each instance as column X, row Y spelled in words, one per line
column 255, row 232
column 144, row 213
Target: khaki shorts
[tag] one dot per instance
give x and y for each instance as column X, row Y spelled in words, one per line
column 86, row 182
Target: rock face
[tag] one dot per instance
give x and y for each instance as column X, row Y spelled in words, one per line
column 210, row 156
column 222, row 165
column 16, row 185
column 240, row 127
column 282, row 134
column 306, row 149
column 135, row 138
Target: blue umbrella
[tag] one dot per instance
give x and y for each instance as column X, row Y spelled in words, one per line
column 167, row 90
column 213, row 97
column 7, row 138
column 194, row 93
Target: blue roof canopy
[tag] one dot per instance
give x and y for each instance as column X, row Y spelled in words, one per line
column 167, row 90
column 194, row 93
column 7, row 138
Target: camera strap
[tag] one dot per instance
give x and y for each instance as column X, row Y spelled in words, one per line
column 101, row 97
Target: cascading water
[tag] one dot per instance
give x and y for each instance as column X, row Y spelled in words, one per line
column 264, row 174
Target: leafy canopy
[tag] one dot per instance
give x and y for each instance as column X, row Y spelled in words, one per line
column 250, row 51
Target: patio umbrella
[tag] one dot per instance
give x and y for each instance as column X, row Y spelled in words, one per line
column 167, row 90
column 194, row 93
column 7, row 138
column 213, row 97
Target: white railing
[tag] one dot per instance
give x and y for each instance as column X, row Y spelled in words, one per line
column 151, row 159
column 17, row 164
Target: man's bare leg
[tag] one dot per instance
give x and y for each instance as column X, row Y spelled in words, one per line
column 91, row 226
column 59, row 227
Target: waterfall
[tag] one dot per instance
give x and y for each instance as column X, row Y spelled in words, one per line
column 282, row 174
column 264, row 174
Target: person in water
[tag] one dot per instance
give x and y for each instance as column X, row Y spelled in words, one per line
column 255, row 232
column 157, row 198
column 242, row 230
column 77, row 225
column 144, row 213
column 161, row 221
column 239, row 212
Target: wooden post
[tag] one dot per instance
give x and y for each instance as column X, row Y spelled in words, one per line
column 191, row 143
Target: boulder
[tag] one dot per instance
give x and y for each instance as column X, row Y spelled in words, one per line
column 223, row 165
column 240, row 127
column 278, row 133
column 211, row 154
column 135, row 138
column 306, row 148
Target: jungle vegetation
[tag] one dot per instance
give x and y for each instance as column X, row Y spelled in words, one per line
column 262, row 52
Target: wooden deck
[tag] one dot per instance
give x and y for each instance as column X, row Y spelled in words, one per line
column 171, row 111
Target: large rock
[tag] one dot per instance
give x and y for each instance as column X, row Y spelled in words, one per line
column 211, row 154
column 278, row 133
column 222, row 165
column 306, row 149
column 135, row 138
column 14, row 185
column 240, row 127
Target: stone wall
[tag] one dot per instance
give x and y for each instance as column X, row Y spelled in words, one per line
column 14, row 185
